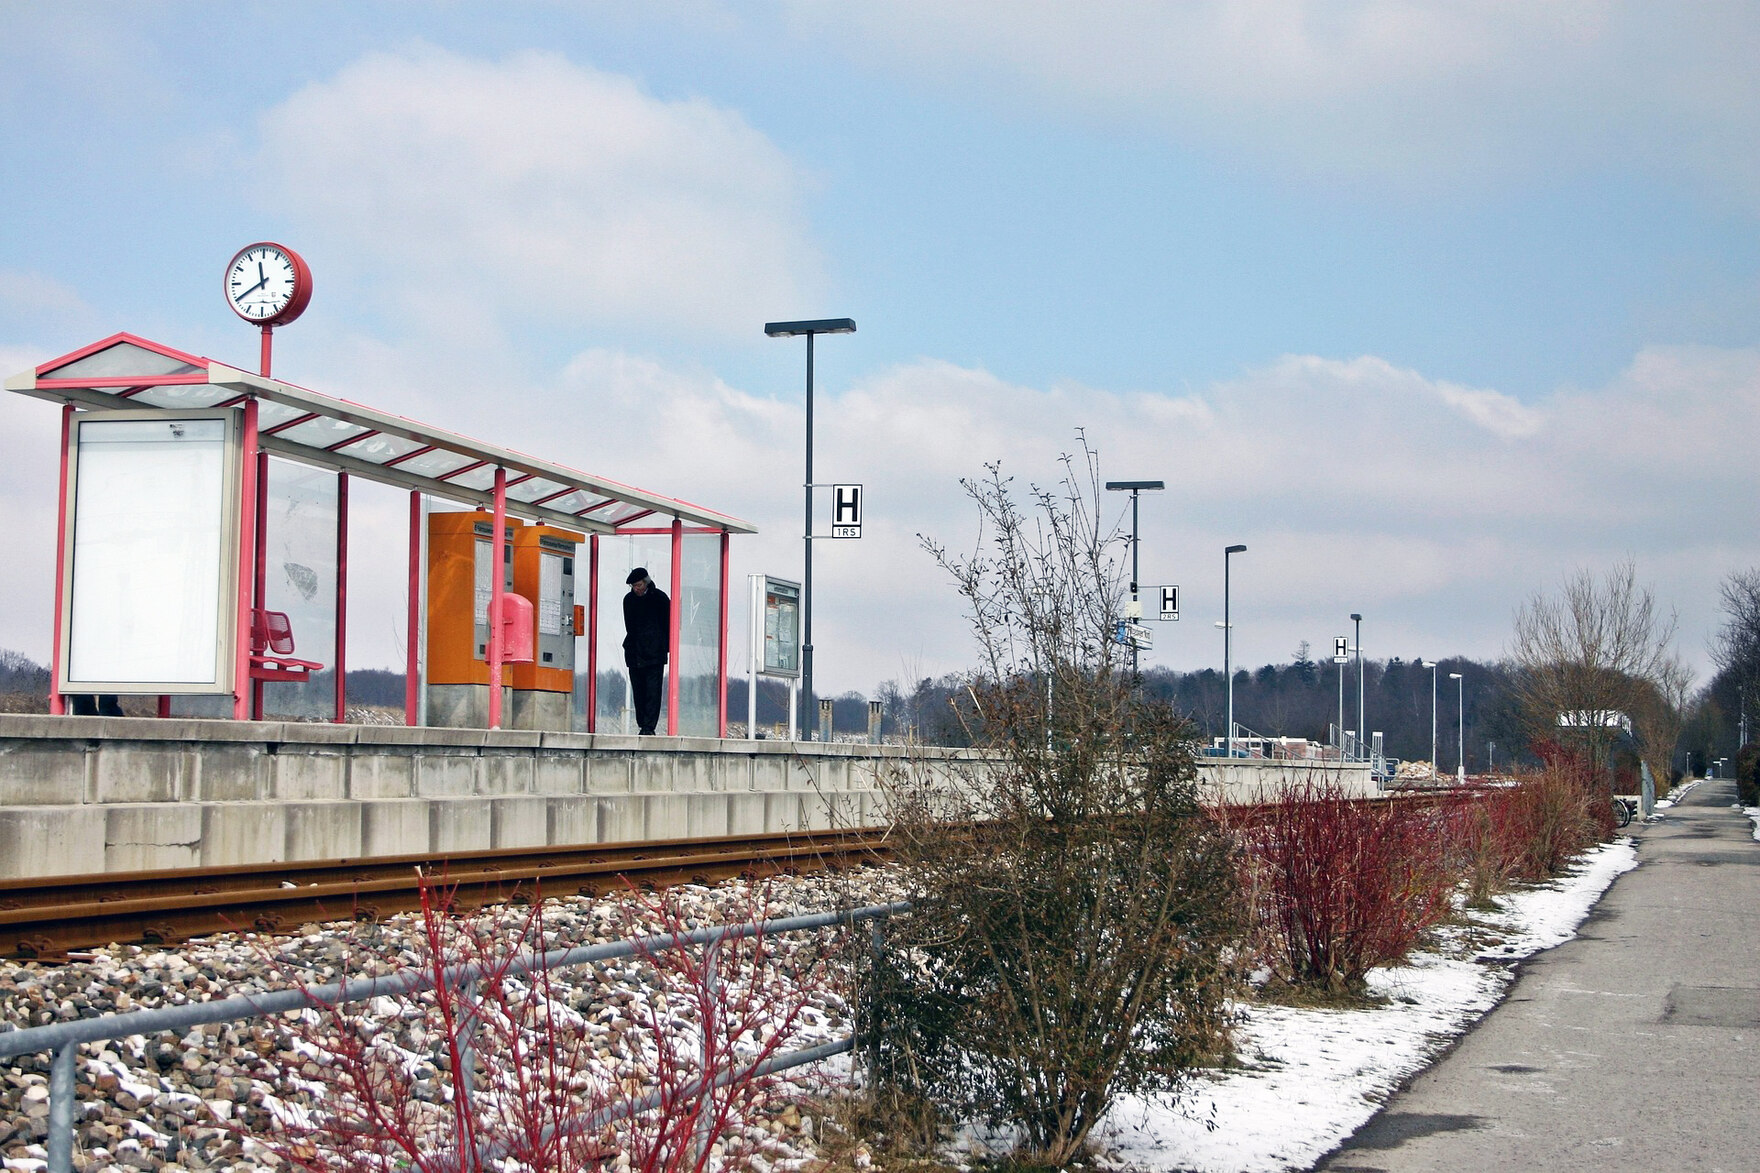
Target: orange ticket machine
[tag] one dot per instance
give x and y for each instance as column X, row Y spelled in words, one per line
column 545, row 561
column 460, row 581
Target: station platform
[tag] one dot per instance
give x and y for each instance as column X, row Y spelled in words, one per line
column 86, row 795
column 108, row 794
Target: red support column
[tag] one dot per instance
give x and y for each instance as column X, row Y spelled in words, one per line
column 412, row 662
column 721, row 649
column 247, row 557
column 57, row 704
column 593, row 633
column 496, row 591
column 672, row 627
column 260, row 561
column 341, row 598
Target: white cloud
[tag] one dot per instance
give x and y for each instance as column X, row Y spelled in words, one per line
column 1357, row 485
column 463, row 191
column 1414, row 91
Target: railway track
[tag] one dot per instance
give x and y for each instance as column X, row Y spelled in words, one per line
column 44, row 919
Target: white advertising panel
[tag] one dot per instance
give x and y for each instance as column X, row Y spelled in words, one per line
column 151, row 553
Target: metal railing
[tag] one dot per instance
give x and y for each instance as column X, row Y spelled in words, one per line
column 63, row 1039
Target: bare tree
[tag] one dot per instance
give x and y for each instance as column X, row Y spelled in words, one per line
column 1074, row 904
column 1601, row 646
column 1735, row 649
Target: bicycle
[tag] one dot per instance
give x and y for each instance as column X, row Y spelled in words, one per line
column 1622, row 813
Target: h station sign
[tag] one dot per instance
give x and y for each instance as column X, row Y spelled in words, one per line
column 846, row 511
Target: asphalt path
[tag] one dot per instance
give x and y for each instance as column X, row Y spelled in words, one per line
column 1633, row 1046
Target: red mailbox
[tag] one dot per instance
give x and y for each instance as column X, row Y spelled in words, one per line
column 516, row 629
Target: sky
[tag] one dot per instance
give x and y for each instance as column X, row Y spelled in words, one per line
column 1429, row 305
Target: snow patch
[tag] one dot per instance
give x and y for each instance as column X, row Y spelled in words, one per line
column 1313, row 1077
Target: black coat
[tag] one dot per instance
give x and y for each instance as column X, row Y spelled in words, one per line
column 647, row 620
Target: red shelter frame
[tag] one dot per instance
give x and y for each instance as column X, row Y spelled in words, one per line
column 124, row 371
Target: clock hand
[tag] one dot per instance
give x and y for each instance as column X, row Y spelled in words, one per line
column 254, row 288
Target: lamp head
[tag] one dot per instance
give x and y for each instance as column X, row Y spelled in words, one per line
column 1235, row 550
column 1133, row 486
column 1357, row 617
column 816, row 326
column 1454, row 675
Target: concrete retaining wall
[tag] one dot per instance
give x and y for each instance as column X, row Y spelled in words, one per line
column 84, row 795
column 1260, row 780
column 97, row 794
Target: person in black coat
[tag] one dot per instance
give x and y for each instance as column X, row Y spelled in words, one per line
column 647, row 623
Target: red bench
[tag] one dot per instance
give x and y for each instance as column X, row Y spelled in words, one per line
column 272, row 650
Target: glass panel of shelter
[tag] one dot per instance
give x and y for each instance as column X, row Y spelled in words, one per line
column 699, row 637
column 271, row 414
column 181, row 396
column 435, row 464
column 379, row 448
column 618, row 555
column 576, row 501
column 533, row 489
column 122, row 360
column 300, row 581
column 476, row 478
column 322, row 432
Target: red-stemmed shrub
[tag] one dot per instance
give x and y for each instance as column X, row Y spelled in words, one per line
column 534, row 1068
column 1531, row 828
column 1343, row 885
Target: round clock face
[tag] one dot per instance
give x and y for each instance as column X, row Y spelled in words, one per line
column 268, row 284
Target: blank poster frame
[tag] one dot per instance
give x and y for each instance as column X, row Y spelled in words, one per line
column 152, row 601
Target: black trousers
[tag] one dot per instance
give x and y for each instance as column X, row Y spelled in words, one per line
column 644, row 682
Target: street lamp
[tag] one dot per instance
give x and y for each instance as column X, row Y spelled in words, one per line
column 1135, row 488
column 1227, row 640
column 1461, row 706
column 1431, row 664
column 1358, row 620
column 795, row 330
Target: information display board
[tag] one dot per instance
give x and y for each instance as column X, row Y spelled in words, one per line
column 782, row 627
column 151, row 553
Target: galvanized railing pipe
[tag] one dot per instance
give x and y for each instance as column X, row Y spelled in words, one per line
column 64, row 1038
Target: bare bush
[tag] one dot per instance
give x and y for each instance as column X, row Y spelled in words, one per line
column 1072, row 908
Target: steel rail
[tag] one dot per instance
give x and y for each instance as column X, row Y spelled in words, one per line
column 49, row 917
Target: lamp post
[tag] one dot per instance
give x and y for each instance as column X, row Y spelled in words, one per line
column 1135, row 488
column 1340, row 661
column 1227, row 641
column 1431, row 664
column 1461, row 708
column 794, row 330
column 1358, row 620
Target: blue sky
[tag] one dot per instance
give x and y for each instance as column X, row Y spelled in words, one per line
column 1428, row 304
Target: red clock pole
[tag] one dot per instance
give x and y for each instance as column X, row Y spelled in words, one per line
column 268, row 346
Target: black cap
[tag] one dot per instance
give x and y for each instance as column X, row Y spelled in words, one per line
column 636, row 575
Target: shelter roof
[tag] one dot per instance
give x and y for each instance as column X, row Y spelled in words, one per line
column 126, row 372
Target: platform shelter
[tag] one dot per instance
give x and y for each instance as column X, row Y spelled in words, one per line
column 164, row 535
